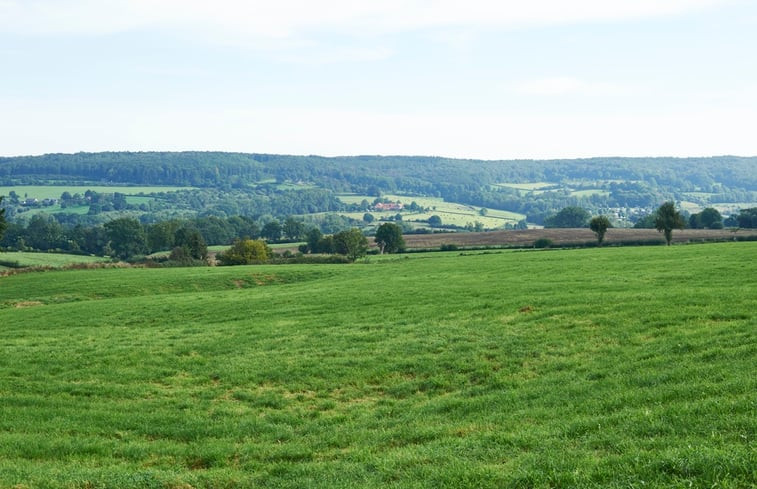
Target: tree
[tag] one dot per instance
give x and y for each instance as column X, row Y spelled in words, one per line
column 646, row 222
column 160, row 236
column 747, row 218
column 3, row 224
column 192, row 243
column 368, row 217
column 245, row 252
column 352, row 243
column 271, row 230
column 127, row 237
column 313, row 237
column 435, row 221
column 568, row 217
column 389, row 238
column 293, row 229
column 599, row 225
column 667, row 219
column 709, row 218
column 44, row 233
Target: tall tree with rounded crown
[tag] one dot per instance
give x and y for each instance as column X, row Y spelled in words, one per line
column 667, row 219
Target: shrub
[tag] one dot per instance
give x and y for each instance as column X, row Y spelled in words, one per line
column 245, row 252
column 543, row 243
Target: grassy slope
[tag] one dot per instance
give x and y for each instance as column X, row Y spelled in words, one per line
column 33, row 259
column 622, row 367
column 55, row 191
column 451, row 213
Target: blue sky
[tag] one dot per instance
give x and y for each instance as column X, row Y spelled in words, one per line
column 474, row 79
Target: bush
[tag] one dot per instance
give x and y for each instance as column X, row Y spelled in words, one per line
column 543, row 243
column 448, row 247
column 245, row 252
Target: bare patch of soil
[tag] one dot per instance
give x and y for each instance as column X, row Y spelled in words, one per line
column 573, row 236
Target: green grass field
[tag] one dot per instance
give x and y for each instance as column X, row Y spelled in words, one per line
column 608, row 367
column 55, row 191
column 31, row 259
column 451, row 213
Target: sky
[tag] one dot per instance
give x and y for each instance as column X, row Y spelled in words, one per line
column 477, row 79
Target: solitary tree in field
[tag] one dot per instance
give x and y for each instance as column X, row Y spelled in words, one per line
column 599, row 225
column 667, row 219
column 389, row 238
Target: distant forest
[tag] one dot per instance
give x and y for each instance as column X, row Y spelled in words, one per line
column 253, row 184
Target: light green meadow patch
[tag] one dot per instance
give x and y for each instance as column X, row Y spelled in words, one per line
column 33, row 259
column 690, row 206
column 528, row 186
column 55, row 191
column 451, row 213
column 589, row 192
column 354, row 199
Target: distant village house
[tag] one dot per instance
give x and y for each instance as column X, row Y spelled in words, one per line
column 388, row 206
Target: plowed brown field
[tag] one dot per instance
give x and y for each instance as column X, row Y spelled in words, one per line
column 578, row 236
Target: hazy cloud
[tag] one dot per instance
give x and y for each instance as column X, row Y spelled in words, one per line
column 566, row 85
column 253, row 20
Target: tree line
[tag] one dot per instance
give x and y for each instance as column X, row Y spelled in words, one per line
column 187, row 240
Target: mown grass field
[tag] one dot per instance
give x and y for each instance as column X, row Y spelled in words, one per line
column 34, row 259
column 610, row 367
column 451, row 213
column 55, row 191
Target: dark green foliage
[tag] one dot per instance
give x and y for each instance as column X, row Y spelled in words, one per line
column 709, row 218
column 294, row 229
column 162, row 235
column 313, row 237
column 646, row 222
column 747, row 218
column 368, row 217
column 435, row 221
column 3, row 224
column 353, row 244
column 543, row 243
column 44, row 232
column 389, row 238
column 569, row 217
column 245, row 252
column 667, row 218
column 192, row 242
column 127, row 238
column 599, row 225
column 271, row 231
column 448, row 247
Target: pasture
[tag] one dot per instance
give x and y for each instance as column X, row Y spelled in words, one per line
column 451, row 213
column 55, row 191
column 34, row 259
column 610, row 367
